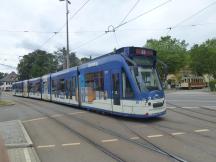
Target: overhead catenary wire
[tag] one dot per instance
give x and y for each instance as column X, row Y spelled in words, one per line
column 191, row 16
column 89, row 41
column 142, row 14
column 8, row 66
column 124, row 23
column 71, row 17
column 47, row 32
column 123, row 20
column 96, row 31
column 133, row 7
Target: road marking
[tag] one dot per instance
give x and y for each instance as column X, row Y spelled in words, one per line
column 36, row 119
column 210, row 107
column 70, row 144
column 154, row 136
column 188, row 107
column 134, row 138
column 177, row 133
column 206, row 101
column 109, row 140
column 171, row 107
column 79, row 112
column 56, row 115
column 26, row 154
column 46, row 146
column 201, row 130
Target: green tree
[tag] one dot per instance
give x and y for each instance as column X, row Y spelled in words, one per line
column 203, row 58
column 2, row 75
column 36, row 64
column 85, row 60
column 61, row 58
column 171, row 51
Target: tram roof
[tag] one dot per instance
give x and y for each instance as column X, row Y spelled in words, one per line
column 65, row 71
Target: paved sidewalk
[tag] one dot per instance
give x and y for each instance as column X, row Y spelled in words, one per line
column 18, row 142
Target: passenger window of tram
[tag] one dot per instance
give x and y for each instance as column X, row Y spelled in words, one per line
column 73, row 86
column 67, row 84
column 53, row 85
column 95, row 81
column 61, row 85
column 127, row 89
column 37, row 87
column 95, row 84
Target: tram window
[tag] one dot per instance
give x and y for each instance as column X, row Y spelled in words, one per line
column 37, row 87
column 61, row 85
column 95, row 81
column 73, row 86
column 67, row 84
column 53, row 85
column 127, row 89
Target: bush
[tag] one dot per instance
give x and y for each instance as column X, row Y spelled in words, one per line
column 212, row 85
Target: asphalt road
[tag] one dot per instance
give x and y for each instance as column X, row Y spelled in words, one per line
column 65, row 134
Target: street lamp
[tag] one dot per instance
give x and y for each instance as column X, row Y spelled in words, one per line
column 67, row 38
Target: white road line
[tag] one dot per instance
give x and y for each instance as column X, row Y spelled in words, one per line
column 109, row 140
column 56, row 115
column 79, row 112
column 26, row 154
column 134, row 138
column 70, row 144
column 188, row 107
column 206, row 101
column 35, row 119
column 171, row 107
column 154, row 136
column 177, row 133
column 46, row 146
column 209, row 107
column 201, row 130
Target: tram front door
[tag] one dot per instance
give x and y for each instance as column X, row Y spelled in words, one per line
column 116, row 91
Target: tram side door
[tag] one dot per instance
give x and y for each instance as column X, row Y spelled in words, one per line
column 116, row 91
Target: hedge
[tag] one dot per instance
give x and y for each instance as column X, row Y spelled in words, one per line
column 212, row 85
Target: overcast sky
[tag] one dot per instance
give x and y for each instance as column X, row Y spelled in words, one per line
column 43, row 17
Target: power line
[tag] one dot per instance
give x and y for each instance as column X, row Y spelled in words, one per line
column 191, row 16
column 124, row 23
column 60, row 29
column 142, row 14
column 89, row 41
column 123, row 20
column 47, row 32
column 130, row 11
column 8, row 66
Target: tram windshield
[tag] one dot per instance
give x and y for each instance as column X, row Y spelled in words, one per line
column 148, row 79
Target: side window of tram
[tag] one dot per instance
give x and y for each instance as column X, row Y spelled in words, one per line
column 94, row 82
column 126, row 87
column 61, row 85
column 73, row 86
column 54, row 86
column 67, row 88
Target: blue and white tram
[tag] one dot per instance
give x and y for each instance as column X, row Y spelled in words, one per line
column 123, row 83
column 34, row 88
column 46, row 87
column 17, row 88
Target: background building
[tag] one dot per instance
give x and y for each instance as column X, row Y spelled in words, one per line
column 7, row 81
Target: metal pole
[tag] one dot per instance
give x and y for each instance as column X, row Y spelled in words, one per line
column 67, row 50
